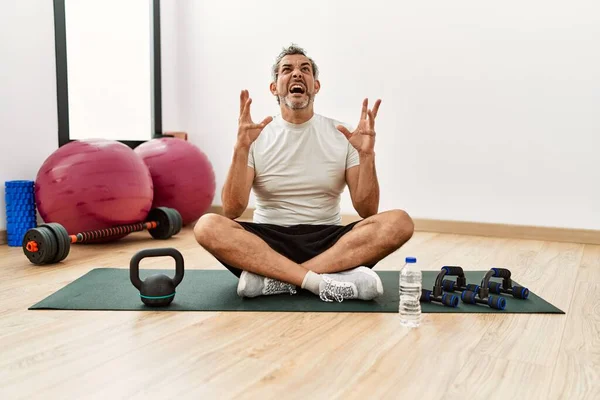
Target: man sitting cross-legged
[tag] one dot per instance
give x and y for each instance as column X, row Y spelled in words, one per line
column 298, row 164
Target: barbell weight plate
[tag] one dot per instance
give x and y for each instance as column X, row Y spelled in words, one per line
column 44, row 241
column 60, row 247
column 62, row 239
column 67, row 239
column 53, row 244
column 173, row 221
column 178, row 221
column 165, row 223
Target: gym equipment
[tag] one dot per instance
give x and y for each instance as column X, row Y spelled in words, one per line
column 93, row 184
column 437, row 294
column 51, row 243
column 450, row 300
column 157, row 290
column 20, row 210
column 482, row 296
column 182, row 176
column 506, row 285
column 460, row 284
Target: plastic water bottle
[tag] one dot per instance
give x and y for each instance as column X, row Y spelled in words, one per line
column 410, row 293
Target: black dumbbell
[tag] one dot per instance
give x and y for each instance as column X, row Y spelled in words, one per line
column 51, row 243
column 506, row 285
column 447, row 299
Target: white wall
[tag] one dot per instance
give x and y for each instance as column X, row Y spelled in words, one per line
column 489, row 113
column 27, row 91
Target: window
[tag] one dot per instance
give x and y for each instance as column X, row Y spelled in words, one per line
column 108, row 70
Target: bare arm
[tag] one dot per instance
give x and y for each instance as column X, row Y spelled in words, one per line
column 236, row 191
column 362, row 179
column 364, row 186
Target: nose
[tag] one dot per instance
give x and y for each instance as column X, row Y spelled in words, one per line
column 296, row 73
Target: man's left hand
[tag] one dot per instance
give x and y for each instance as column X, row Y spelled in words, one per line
column 363, row 137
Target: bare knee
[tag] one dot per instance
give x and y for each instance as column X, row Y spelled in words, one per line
column 210, row 227
column 398, row 228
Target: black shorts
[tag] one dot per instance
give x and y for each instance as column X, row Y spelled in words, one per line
column 299, row 243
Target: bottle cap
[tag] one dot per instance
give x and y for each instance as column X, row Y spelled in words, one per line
column 410, row 260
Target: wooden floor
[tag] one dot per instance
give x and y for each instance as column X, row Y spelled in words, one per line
column 256, row 355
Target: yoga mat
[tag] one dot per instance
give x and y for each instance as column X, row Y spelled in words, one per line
column 215, row 290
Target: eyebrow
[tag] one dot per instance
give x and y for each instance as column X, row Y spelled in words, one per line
column 302, row 65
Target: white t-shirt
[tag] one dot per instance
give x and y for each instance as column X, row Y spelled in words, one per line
column 300, row 171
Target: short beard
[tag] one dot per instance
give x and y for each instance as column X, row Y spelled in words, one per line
column 294, row 105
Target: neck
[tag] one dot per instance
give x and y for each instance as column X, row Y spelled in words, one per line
column 296, row 116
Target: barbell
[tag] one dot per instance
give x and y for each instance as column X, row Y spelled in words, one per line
column 51, row 243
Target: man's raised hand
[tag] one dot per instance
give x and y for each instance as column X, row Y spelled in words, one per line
column 248, row 131
column 363, row 137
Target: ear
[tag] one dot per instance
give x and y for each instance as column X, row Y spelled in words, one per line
column 273, row 88
column 317, row 86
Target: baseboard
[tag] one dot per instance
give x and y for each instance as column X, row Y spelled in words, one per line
column 569, row 235
column 3, row 238
column 528, row 232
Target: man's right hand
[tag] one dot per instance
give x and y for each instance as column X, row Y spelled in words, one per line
column 248, row 131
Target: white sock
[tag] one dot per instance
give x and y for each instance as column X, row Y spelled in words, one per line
column 311, row 282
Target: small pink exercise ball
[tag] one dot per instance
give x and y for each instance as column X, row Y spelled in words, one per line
column 182, row 175
column 93, row 184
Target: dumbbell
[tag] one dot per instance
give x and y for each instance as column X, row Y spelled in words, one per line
column 50, row 243
column 506, row 285
column 447, row 299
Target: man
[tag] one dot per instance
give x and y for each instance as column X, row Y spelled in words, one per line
column 298, row 164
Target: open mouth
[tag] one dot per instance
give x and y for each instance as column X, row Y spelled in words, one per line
column 297, row 89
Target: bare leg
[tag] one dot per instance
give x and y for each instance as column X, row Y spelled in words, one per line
column 228, row 241
column 369, row 241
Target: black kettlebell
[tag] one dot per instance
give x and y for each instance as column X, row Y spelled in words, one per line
column 157, row 290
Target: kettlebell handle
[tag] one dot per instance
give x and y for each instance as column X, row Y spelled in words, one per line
column 134, row 264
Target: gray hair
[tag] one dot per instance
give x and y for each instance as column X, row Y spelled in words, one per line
column 288, row 51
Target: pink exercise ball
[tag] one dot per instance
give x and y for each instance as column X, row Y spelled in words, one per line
column 182, row 175
column 93, row 184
